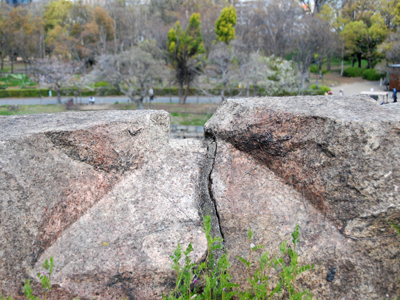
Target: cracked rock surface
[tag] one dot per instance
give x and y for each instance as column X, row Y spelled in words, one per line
column 106, row 194
column 329, row 164
column 109, row 196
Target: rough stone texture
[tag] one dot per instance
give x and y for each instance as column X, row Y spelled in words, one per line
column 330, row 164
column 105, row 194
column 109, row 196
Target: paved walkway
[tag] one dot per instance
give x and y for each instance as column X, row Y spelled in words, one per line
column 358, row 87
column 104, row 100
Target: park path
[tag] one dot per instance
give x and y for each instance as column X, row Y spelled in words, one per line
column 104, row 100
column 357, row 87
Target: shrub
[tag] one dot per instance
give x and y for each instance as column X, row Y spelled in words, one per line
column 218, row 281
column 45, row 279
column 101, row 84
column 371, row 74
column 21, row 93
column 353, row 72
column 321, row 88
column 314, row 69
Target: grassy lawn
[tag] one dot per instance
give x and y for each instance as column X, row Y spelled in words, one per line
column 6, row 69
column 189, row 119
column 8, row 110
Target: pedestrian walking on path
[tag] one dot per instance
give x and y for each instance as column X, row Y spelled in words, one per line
column 394, row 95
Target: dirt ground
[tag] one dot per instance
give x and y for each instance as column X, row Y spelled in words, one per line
column 351, row 86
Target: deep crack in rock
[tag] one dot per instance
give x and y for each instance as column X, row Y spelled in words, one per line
column 208, row 205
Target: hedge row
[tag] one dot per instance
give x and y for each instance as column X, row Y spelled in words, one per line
column 102, row 91
column 27, row 93
column 353, row 72
column 110, row 91
column 369, row 74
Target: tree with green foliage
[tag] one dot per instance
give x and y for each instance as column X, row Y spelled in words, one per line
column 363, row 40
column 185, row 49
column 57, row 13
column 225, row 25
column 57, row 22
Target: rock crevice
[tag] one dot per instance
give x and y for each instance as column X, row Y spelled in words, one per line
column 208, row 205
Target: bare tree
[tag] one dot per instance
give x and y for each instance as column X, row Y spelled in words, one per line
column 391, row 48
column 58, row 74
column 311, row 39
column 272, row 27
column 222, row 65
column 131, row 72
column 253, row 71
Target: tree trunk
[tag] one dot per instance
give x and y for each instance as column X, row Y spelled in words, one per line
column 59, row 96
column 181, row 96
column 186, row 92
column 223, row 93
column 115, row 36
column 328, row 62
column 303, row 79
column 369, row 63
column 320, row 70
column 170, row 96
column 359, row 59
column 12, row 63
column 140, row 103
column 341, row 71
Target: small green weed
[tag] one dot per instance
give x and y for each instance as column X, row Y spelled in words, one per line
column 44, row 277
column 260, row 280
column 216, row 276
column 4, row 298
column 217, row 280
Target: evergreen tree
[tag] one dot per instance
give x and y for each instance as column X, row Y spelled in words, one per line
column 225, row 25
column 185, row 49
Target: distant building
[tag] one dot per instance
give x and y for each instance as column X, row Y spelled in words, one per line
column 394, row 77
column 17, row 2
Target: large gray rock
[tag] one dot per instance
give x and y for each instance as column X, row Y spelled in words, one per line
column 330, row 164
column 109, row 196
column 105, row 193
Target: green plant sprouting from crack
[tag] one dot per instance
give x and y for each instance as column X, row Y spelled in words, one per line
column 212, row 280
column 45, row 279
